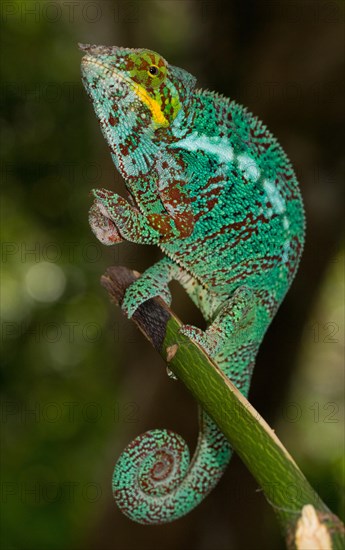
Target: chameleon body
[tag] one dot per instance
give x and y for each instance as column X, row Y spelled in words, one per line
column 210, row 185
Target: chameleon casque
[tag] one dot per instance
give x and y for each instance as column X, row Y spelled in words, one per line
column 211, row 186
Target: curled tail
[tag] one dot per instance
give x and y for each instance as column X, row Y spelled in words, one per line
column 155, row 482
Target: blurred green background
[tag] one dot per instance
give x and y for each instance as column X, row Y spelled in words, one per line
column 78, row 381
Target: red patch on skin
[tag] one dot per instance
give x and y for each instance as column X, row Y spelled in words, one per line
column 160, row 223
column 124, row 149
column 211, row 203
column 111, row 120
column 174, row 194
column 152, row 57
column 129, row 64
column 214, row 179
column 185, row 224
column 180, row 162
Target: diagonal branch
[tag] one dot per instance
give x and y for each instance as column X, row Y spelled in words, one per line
column 303, row 516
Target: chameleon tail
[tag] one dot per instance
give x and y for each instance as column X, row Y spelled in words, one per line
column 154, row 481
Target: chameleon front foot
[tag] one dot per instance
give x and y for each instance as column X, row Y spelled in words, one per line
column 103, row 228
column 138, row 292
column 131, row 224
column 153, row 282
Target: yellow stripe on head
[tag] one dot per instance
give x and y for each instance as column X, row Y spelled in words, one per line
column 152, row 104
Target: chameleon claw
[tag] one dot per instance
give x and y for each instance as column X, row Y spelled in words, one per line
column 201, row 338
column 129, row 311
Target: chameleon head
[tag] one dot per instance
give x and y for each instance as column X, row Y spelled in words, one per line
column 135, row 87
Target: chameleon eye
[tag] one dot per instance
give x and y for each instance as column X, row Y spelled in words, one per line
column 153, row 70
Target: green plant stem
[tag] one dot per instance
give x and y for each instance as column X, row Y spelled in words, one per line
column 283, row 484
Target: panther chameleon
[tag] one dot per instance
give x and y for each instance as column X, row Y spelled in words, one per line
column 209, row 184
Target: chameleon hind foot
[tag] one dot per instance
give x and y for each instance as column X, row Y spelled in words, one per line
column 201, row 337
column 227, row 321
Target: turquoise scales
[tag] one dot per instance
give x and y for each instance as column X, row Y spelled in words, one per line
column 209, row 185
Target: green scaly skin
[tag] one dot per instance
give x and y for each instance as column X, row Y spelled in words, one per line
column 211, row 186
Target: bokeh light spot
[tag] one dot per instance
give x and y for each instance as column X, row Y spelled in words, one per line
column 45, row 282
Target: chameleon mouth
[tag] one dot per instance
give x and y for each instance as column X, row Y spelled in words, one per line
column 138, row 90
column 89, row 63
